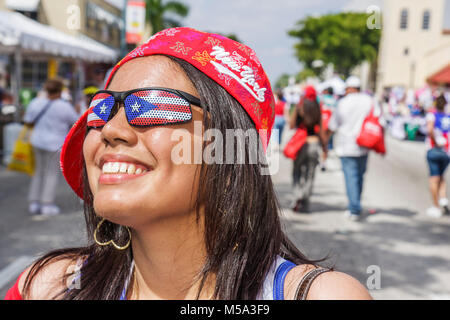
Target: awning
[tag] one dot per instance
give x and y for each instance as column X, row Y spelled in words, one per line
column 22, row 5
column 442, row 76
column 17, row 30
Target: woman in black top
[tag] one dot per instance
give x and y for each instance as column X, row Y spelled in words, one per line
column 306, row 114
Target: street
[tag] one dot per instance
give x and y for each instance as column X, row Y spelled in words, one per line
column 410, row 251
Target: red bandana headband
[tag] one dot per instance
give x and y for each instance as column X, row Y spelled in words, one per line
column 233, row 65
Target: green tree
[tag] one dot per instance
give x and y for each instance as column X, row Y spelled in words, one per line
column 342, row 39
column 282, row 81
column 157, row 10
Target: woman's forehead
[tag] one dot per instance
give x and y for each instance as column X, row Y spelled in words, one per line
column 151, row 71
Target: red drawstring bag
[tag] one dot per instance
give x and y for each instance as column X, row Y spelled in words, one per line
column 326, row 116
column 372, row 134
column 296, row 143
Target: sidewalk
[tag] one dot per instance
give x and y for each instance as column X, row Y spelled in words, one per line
column 411, row 251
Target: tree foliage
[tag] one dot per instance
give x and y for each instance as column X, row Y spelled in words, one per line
column 282, row 81
column 157, row 14
column 342, row 39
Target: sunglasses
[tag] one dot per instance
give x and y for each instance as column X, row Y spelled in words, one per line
column 143, row 107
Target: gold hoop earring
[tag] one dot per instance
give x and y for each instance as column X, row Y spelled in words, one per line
column 111, row 241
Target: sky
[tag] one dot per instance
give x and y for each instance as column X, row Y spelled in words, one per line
column 263, row 24
column 260, row 24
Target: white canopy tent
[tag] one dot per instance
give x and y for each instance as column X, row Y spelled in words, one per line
column 21, row 36
column 22, row 5
column 20, row 32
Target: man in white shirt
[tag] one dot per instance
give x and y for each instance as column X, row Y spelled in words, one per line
column 346, row 123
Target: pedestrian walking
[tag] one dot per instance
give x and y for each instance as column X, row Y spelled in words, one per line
column 438, row 127
column 86, row 95
column 281, row 114
column 327, row 102
column 52, row 118
column 346, row 123
column 164, row 230
column 306, row 116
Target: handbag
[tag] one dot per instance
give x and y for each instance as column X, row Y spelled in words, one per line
column 371, row 135
column 22, row 158
column 295, row 143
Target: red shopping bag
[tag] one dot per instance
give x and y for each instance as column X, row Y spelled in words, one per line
column 295, row 144
column 326, row 115
column 380, row 147
column 371, row 135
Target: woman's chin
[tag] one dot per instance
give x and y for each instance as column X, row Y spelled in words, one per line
column 116, row 209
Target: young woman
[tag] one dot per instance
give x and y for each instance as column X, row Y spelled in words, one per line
column 161, row 229
column 438, row 126
column 307, row 115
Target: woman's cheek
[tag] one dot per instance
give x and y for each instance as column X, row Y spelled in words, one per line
column 90, row 146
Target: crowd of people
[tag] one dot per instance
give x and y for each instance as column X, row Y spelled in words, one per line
column 334, row 122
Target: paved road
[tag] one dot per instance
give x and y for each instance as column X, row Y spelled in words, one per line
column 410, row 251
column 23, row 237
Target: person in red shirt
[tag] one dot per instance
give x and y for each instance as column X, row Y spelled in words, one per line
column 280, row 115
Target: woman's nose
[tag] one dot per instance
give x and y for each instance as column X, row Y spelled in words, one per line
column 117, row 130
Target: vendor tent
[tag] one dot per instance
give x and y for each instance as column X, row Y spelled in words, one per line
column 441, row 77
column 18, row 32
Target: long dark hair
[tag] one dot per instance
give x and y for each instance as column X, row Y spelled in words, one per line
column 243, row 232
column 311, row 115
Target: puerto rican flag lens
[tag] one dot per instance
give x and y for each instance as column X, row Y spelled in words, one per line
column 156, row 107
column 100, row 110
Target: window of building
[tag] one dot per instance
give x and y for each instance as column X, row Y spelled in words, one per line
column 404, row 19
column 426, row 20
column 34, row 73
column 406, row 51
column 100, row 24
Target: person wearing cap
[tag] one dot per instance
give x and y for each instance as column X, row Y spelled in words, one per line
column 86, row 96
column 346, row 122
column 328, row 103
column 306, row 116
column 160, row 229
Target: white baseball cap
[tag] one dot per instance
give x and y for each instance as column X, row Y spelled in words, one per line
column 353, row 82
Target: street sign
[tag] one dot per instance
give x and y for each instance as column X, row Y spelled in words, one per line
column 135, row 21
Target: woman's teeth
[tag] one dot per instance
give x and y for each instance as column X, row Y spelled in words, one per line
column 121, row 167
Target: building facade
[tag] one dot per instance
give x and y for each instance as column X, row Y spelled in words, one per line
column 415, row 42
column 90, row 21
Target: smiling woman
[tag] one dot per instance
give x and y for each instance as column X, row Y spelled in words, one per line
column 164, row 230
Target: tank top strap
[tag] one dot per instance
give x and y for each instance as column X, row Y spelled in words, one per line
column 305, row 284
column 280, row 276
column 123, row 296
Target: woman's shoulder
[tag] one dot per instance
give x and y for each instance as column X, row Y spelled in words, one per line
column 329, row 285
column 49, row 279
